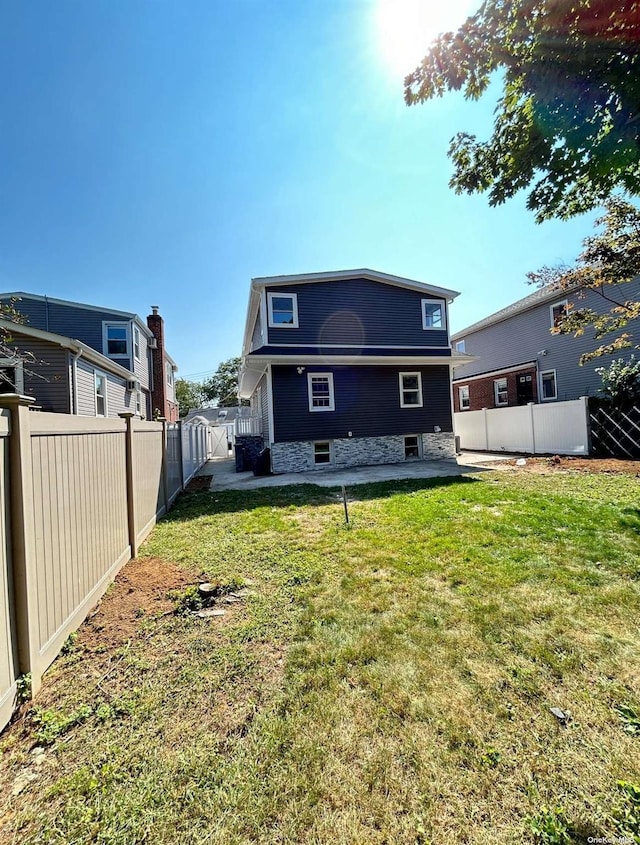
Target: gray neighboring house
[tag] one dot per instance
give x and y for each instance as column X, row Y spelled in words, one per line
column 129, row 350
column 518, row 360
column 348, row 368
column 65, row 376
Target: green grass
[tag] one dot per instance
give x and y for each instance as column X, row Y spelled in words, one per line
column 386, row 682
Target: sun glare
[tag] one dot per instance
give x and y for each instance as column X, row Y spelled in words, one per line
column 405, row 28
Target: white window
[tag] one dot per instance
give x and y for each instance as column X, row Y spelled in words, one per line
column 136, row 343
column 101, row 394
column 433, row 314
column 11, row 376
column 169, row 369
column 500, row 392
column 321, row 396
column 412, row 447
column 115, row 339
column 463, row 397
column 559, row 311
column 283, row 310
column 410, row 390
column 460, row 346
column 139, row 403
column 548, row 384
column 322, row 453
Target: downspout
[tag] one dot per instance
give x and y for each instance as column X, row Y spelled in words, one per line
column 74, row 381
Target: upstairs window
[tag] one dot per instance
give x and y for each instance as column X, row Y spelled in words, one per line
column 460, row 346
column 136, row 343
column 559, row 311
column 116, row 340
column 463, row 397
column 283, row 310
column 410, row 390
column 433, row 314
column 500, row 392
column 169, row 369
column 321, row 397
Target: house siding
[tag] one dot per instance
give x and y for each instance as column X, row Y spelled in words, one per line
column 355, row 313
column 522, row 338
column 256, row 338
column 119, row 399
column 263, row 410
column 46, row 378
column 367, row 402
column 142, row 367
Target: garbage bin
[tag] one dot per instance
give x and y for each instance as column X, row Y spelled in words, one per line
column 263, row 463
column 241, row 458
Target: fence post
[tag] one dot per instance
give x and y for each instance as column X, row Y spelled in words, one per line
column 165, row 468
column 486, row 429
column 180, row 464
column 533, row 427
column 23, row 559
column 587, row 423
column 127, row 416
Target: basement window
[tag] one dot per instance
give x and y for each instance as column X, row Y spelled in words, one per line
column 322, row 453
column 411, row 447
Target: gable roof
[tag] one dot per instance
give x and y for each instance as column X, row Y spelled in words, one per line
column 258, row 284
column 75, row 346
column 538, row 297
column 129, row 315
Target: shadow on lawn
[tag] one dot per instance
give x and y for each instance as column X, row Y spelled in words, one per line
column 190, row 505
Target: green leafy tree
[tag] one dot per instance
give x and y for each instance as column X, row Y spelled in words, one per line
column 609, row 260
column 567, row 123
column 189, row 395
column 621, row 381
column 223, row 384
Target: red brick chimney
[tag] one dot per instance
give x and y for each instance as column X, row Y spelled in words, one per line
column 161, row 404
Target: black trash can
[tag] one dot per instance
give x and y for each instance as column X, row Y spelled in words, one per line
column 263, row 463
column 241, row 458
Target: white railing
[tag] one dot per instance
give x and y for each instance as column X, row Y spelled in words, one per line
column 248, row 425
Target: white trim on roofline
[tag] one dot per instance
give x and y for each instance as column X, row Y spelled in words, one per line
column 489, row 373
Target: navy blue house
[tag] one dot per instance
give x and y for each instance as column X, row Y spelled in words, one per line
column 349, row 367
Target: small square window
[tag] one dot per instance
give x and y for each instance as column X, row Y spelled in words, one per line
column 321, row 396
column 433, row 314
column 500, row 392
column 559, row 311
column 283, row 310
column 549, row 385
column 322, row 453
column 410, row 390
column 411, row 447
column 460, row 346
column 463, row 397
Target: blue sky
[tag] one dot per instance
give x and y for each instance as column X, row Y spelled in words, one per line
column 167, row 152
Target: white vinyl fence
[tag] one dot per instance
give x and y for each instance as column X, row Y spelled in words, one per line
column 78, row 495
column 560, row 428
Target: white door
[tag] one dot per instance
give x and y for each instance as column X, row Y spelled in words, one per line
column 219, row 448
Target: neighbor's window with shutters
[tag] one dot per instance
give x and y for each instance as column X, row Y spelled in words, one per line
column 500, row 392
column 321, row 397
column 410, row 390
column 101, row 394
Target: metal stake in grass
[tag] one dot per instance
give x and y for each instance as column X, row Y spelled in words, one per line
column 346, row 509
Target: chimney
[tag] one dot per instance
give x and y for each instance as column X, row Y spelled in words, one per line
column 159, row 390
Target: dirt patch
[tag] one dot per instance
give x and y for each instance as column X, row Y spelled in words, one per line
column 560, row 463
column 140, row 591
column 199, row 484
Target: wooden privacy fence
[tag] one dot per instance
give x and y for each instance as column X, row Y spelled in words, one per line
column 78, row 495
column 615, row 432
column 557, row 428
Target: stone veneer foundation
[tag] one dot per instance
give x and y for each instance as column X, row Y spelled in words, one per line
column 297, row 456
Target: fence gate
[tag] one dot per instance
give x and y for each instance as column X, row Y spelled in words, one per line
column 219, row 442
column 615, row 433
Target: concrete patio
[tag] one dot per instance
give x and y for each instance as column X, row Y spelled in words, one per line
column 224, row 476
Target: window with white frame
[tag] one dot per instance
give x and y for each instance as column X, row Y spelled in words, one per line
column 460, row 346
column 549, row 387
column 136, row 343
column 115, row 339
column 139, row 403
column 282, row 310
column 322, row 453
column 169, row 369
column 101, row 394
column 558, row 311
column 321, row 395
column 433, row 314
column 463, row 397
column 11, row 376
column 500, row 392
column 410, row 390
column 412, row 447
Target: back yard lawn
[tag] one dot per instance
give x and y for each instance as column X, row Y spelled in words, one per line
column 387, row 682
